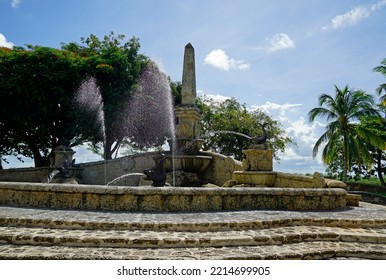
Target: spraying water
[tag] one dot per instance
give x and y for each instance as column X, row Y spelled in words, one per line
column 135, row 176
column 212, row 133
column 89, row 100
column 150, row 112
column 51, row 176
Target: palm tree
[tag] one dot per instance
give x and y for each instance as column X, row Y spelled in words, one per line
column 343, row 111
column 382, row 69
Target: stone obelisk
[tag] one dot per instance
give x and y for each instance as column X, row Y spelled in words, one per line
column 187, row 114
column 188, row 91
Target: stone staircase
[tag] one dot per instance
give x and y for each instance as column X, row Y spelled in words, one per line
column 27, row 233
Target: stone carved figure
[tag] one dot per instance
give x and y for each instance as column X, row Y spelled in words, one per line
column 157, row 174
column 259, row 142
column 60, row 174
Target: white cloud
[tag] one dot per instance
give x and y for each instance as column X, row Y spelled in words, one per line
column 279, row 42
column 304, row 132
column 354, row 16
column 279, row 110
column 4, row 42
column 15, row 3
column 219, row 59
column 217, row 98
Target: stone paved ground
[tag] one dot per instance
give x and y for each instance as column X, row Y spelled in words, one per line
column 358, row 232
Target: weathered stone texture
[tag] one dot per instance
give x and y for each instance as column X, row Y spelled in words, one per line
column 169, row 199
column 257, row 160
column 30, row 233
column 188, row 90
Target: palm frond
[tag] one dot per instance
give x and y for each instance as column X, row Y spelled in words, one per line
column 322, row 139
column 366, row 135
column 332, row 149
column 321, row 112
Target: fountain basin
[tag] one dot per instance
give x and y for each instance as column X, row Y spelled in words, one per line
column 168, row 199
column 255, row 178
column 194, row 164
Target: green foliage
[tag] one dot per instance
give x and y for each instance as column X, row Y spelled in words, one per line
column 378, row 127
column 176, row 88
column 382, row 88
column 233, row 116
column 36, row 89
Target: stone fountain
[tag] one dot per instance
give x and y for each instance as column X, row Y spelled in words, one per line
column 203, row 181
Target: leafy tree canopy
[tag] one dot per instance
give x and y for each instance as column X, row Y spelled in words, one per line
column 382, row 88
column 36, row 89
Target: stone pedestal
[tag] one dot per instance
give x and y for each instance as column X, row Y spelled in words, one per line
column 257, row 160
column 188, row 129
column 63, row 154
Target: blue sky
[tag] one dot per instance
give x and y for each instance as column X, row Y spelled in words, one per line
column 277, row 55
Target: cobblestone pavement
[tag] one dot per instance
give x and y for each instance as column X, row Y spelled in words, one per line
column 358, row 232
column 313, row 250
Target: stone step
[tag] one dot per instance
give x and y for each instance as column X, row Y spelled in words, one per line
column 296, row 251
column 167, row 239
column 216, row 221
column 33, row 233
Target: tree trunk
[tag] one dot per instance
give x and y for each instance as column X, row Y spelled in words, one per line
column 111, row 148
column 38, row 159
column 345, row 158
column 379, row 167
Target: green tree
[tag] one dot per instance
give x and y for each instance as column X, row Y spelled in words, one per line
column 176, row 88
column 218, row 118
column 343, row 112
column 37, row 87
column 36, row 90
column 378, row 127
column 382, row 88
column 116, row 65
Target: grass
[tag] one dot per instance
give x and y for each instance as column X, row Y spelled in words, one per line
column 373, row 182
column 370, row 181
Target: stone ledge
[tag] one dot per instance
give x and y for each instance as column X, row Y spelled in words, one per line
column 169, row 199
column 285, row 180
column 307, row 251
column 353, row 199
column 181, row 239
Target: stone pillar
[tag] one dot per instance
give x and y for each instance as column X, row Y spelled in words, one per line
column 188, row 126
column 257, row 160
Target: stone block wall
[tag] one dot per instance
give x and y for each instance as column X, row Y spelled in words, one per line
column 168, row 199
